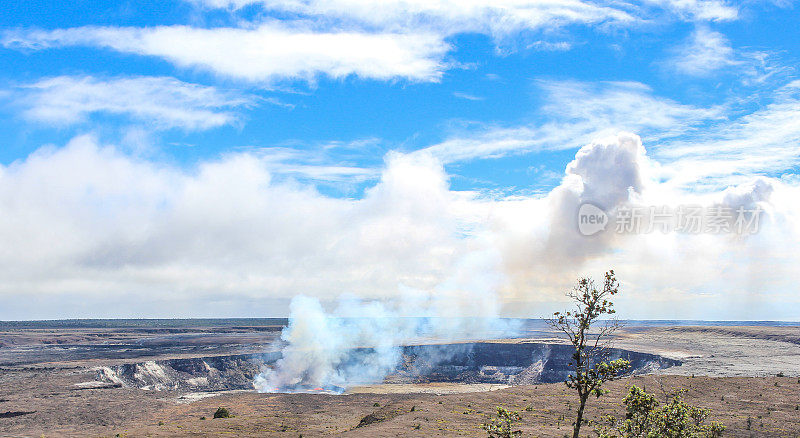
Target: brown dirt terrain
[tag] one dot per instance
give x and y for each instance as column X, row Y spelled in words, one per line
column 48, row 393
column 747, row 406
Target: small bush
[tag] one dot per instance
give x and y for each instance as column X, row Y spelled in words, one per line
column 376, row 405
column 222, row 413
column 644, row 416
column 501, row 427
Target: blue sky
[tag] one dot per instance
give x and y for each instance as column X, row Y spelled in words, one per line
column 330, row 97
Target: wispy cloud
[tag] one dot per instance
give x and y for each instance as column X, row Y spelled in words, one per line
column 574, row 113
column 710, row 10
column 264, row 54
column 548, row 46
column 161, row 102
column 705, row 52
column 395, row 39
column 762, row 142
column 701, row 148
column 498, row 18
column 467, row 96
column 313, row 166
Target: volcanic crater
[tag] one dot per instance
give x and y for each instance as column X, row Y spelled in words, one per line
column 504, row 363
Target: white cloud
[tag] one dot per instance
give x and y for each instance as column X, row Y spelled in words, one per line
column 86, row 222
column 702, row 148
column 499, row 18
column 550, row 46
column 88, row 230
column 161, row 102
column 710, row 275
column 621, row 106
column 313, row 165
column 386, row 40
column 262, row 54
column 467, row 96
column 709, row 10
column 706, row 52
column 575, row 114
column 761, row 142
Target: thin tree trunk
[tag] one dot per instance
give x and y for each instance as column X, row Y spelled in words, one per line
column 579, row 420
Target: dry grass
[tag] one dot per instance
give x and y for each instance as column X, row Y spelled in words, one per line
column 769, row 403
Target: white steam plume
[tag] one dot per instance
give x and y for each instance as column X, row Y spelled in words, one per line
column 361, row 341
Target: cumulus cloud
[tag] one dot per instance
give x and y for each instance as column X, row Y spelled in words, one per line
column 89, row 221
column 608, row 170
column 748, row 195
column 607, row 173
column 90, row 231
column 158, row 101
column 266, row 53
column 544, row 251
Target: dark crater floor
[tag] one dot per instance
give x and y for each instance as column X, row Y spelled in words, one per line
column 511, row 363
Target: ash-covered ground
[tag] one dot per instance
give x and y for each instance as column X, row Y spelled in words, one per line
column 161, row 377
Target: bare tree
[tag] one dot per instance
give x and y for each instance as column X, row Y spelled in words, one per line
column 591, row 369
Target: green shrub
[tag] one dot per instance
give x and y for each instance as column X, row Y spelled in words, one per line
column 589, row 368
column 222, row 413
column 645, row 417
column 501, row 426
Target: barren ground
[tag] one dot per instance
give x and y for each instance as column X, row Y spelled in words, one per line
column 734, row 371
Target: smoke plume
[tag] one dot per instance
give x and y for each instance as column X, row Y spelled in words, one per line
column 360, row 342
